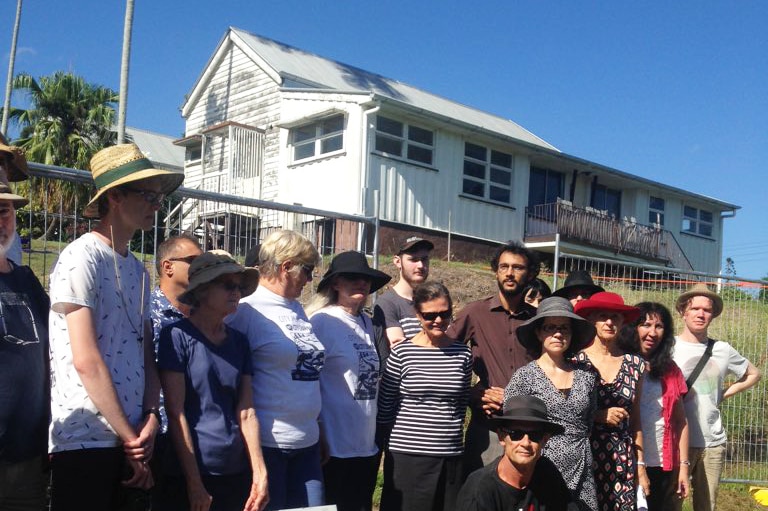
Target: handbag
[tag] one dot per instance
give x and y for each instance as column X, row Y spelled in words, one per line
column 700, row 365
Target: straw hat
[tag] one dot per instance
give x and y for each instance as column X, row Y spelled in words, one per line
column 213, row 264
column 700, row 290
column 121, row 164
column 17, row 163
column 354, row 263
column 606, row 301
column 6, row 194
column 527, row 409
column 556, row 307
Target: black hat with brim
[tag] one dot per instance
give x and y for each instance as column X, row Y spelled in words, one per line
column 354, row 263
column 528, row 409
column 556, row 307
column 578, row 279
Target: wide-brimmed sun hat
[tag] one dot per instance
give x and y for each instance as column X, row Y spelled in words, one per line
column 528, row 409
column 213, row 264
column 583, row 332
column 124, row 163
column 606, row 301
column 357, row 264
column 17, row 163
column 7, row 194
column 700, row 290
column 578, row 279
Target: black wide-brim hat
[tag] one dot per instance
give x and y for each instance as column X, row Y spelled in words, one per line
column 578, row 279
column 353, row 263
column 556, row 307
column 528, row 409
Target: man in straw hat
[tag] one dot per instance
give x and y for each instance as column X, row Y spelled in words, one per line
column 489, row 326
column 13, row 168
column 24, row 377
column 520, row 478
column 698, row 307
column 104, row 392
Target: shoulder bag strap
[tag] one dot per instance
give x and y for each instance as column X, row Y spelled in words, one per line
column 700, row 366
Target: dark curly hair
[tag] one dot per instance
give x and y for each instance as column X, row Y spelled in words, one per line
column 661, row 358
column 515, row 247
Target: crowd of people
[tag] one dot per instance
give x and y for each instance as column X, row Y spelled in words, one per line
column 247, row 400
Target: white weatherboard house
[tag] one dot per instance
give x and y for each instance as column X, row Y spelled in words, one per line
column 272, row 122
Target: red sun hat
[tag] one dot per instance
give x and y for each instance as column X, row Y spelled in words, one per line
column 605, row 301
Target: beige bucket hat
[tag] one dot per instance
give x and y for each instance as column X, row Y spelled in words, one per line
column 700, row 290
column 17, row 163
column 213, row 264
column 121, row 164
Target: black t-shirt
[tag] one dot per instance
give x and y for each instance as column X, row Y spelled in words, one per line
column 485, row 491
column 24, row 375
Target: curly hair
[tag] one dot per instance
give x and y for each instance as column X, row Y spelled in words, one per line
column 661, row 358
column 517, row 248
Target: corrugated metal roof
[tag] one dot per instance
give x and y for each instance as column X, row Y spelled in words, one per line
column 158, row 148
column 301, row 70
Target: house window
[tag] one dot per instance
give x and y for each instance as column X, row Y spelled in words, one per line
column 606, row 199
column 545, row 186
column 193, row 153
column 656, row 211
column 487, row 173
column 320, row 137
column 697, row 221
column 404, row 140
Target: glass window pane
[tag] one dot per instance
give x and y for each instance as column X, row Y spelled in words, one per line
column 613, row 202
column 705, row 229
column 500, row 194
column 501, row 176
column 501, row 159
column 690, row 212
column 389, row 126
column 474, row 169
column 389, row 145
column 304, row 151
column 474, row 188
column 537, row 187
column 304, row 132
column 420, row 135
column 654, row 217
column 332, row 125
column 554, row 186
column 705, row 216
column 474, row 151
column 421, row 154
column 689, row 225
column 331, row 144
column 657, row 203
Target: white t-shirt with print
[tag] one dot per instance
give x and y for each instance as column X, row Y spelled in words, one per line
column 287, row 358
column 349, row 382
column 85, row 275
column 705, row 426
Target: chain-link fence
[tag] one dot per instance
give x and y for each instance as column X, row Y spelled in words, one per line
column 743, row 323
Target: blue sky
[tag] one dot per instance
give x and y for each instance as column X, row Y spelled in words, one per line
column 672, row 91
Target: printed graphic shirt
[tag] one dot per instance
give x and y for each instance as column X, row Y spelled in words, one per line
column 162, row 313
column 349, row 382
column 85, row 274
column 287, row 359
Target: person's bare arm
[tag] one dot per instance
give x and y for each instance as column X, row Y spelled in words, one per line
column 750, row 379
column 681, row 421
column 395, row 335
column 249, row 427
column 92, row 370
column 174, row 392
column 637, row 433
column 143, row 446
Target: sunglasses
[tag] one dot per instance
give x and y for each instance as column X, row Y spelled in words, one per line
column 551, row 329
column 186, row 259
column 309, row 270
column 230, row 286
column 431, row 316
column 517, row 435
column 152, row 198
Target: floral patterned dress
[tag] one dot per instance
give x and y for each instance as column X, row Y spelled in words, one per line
column 612, row 450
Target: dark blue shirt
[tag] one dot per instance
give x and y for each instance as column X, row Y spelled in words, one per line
column 213, row 375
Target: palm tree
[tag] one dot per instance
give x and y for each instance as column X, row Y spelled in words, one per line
column 11, row 64
column 68, row 121
column 124, row 67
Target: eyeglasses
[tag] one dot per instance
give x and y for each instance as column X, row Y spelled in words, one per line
column 551, row 329
column 516, row 435
column 152, row 198
column 309, row 270
column 431, row 316
column 517, row 268
column 230, row 286
column 186, row 259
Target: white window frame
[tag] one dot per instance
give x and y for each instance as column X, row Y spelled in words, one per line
column 487, row 181
column 405, row 141
column 655, row 213
column 317, row 140
column 694, row 223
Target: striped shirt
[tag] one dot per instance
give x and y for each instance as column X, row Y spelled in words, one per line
column 424, row 392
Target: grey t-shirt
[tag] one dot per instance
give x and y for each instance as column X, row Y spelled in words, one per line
column 392, row 310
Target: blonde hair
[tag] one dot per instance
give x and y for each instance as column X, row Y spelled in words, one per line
column 284, row 245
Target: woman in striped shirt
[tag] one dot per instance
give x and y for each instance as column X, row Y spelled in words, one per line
column 422, row 403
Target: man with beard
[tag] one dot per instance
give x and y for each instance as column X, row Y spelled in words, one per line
column 489, row 326
column 394, row 317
